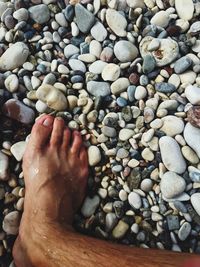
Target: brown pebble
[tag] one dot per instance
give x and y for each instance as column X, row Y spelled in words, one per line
column 134, row 78
column 193, row 116
column 173, row 30
column 16, row 110
column 37, row 26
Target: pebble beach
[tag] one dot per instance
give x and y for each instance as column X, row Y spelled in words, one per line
column 126, row 74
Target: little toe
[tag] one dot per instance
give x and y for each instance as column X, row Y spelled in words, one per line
column 66, row 138
column 77, row 143
column 57, row 133
column 41, row 131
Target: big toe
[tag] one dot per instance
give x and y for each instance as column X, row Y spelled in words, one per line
column 41, row 131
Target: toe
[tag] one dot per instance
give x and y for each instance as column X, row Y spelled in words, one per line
column 57, row 133
column 77, row 143
column 66, row 138
column 41, row 131
column 84, row 156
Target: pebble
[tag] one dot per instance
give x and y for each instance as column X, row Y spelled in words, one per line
column 111, row 72
column 184, row 9
column 84, row 19
column 99, row 32
column 125, row 51
column 182, row 64
column 14, row 57
column 125, row 134
column 94, row 155
column 120, row 230
column 161, row 19
column 171, row 155
column 21, row 14
column 191, row 135
column 71, row 50
column 53, row 97
column 116, row 22
column 18, row 150
column 146, row 185
column 134, row 200
column 193, row 94
column 90, row 205
column 184, row 231
column 190, row 155
column 149, row 64
column 172, row 125
column 12, row 83
column 111, row 221
column 165, row 88
column 40, row 13
column 16, row 110
column 11, row 223
column 4, row 163
column 119, row 86
column 193, row 116
column 77, row 65
column 172, row 185
column 98, row 89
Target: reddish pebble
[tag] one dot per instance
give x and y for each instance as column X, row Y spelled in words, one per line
column 193, row 116
column 173, row 30
column 134, row 78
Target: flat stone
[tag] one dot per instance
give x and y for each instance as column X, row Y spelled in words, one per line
column 171, row 155
column 99, row 32
column 192, row 137
column 11, row 223
column 84, row 19
column 116, row 22
column 184, row 231
column 134, row 200
column 184, row 9
column 167, row 52
column 15, row 56
column 90, row 205
column 98, row 88
column 173, row 222
column 94, row 155
column 125, row 51
column 193, row 94
column 172, row 125
column 53, row 97
column 4, row 163
column 195, row 200
column 172, row 185
column 39, row 13
column 16, row 110
column 149, row 64
column 165, row 88
column 125, row 134
column 161, row 19
column 182, row 64
column 18, row 150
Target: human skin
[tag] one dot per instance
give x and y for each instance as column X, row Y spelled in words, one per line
column 55, row 168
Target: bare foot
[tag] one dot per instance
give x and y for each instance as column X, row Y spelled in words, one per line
column 55, row 168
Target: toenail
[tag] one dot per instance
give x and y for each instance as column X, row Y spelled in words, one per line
column 48, row 122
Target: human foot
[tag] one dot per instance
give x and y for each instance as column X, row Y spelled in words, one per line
column 55, row 168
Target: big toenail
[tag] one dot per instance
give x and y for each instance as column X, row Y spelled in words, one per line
column 48, row 122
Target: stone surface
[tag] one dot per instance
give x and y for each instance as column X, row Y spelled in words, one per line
column 171, row 155
column 14, row 56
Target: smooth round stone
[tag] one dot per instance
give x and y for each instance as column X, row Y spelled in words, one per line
column 193, row 116
column 11, row 223
column 188, row 77
column 192, row 137
column 190, row 155
column 149, row 64
column 146, row 185
column 18, row 150
column 77, row 65
column 184, row 9
column 99, row 32
column 116, row 22
column 147, row 154
column 21, row 14
column 123, row 195
column 161, row 19
column 122, row 153
column 195, row 200
column 14, row 57
column 140, row 92
column 171, row 155
column 120, row 230
column 94, row 155
column 134, row 200
column 84, row 19
column 71, row 50
column 39, row 13
column 109, row 131
column 12, row 83
column 4, row 163
column 61, row 20
column 121, row 102
column 169, row 48
column 111, row 221
column 53, row 97
column 117, row 168
column 119, row 86
column 125, row 134
column 111, row 72
column 172, row 125
column 98, row 88
column 90, row 205
column 193, row 94
column 41, row 106
column 165, row 88
column 175, row 80
column 135, row 228
column 172, row 185
column 69, row 12
column 16, row 110
column 184, row 231
column 182, row 64
column 97, row 67
column 125, row 51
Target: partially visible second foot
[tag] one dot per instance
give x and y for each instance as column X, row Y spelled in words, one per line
column 55, row 168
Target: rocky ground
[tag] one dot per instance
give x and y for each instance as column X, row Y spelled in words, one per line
column 126, row 73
